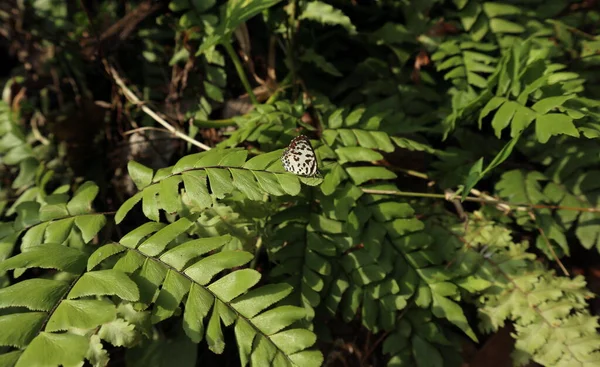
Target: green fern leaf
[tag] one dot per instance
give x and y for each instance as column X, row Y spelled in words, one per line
column 81, row 313
column 33, row 294
column 105, row 282
column 233, row 14
column 20, row 328
column 48, row 256
column 326, row 14
column 54, row 349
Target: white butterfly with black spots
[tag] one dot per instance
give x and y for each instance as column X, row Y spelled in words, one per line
column 299, row 158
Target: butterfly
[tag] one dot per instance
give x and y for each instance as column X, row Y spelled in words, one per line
column 299, row 158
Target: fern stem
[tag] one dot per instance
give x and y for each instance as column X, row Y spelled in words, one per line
column 214, row 123
column 547, row 241
column 240, row 70
column 489, row 200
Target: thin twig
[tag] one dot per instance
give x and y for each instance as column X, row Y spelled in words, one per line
column 488, row 200
column 36, row 131
column 550, row 247
column 145, row 128
column 135, row 100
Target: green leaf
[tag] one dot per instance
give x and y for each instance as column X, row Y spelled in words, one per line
column 502, row 155
column 50, row 349
column 233, row 158
column 140, row 174
column 46, row 212
column 127, row 206
column 220, row 182
column 245, row 182
column 118, row 333
column 553, row 124
column 81, row 313
column 179, row 256
column 81, row 203
column 59, row 230
column 48, row 256
column 521, row 187
column 335, row 121
column 503, row 117
column 255, row 301
column 269, row 183
column 244, row 335
column 473, row 284
column 493, row 10
column 33, row 294
column 18, row 329
column 213, row 92
column 159, row 241
column 10, row 359
column 289, row 183
column 133, row 238
column 187, row 162
column 90, row 225
column 327, row 14
column 445, row 308
column 198, row 304
column 588, row 230
column 150, row 203
column 425, row 354
column 196, row 188
column 35, row 236
column 233, row 14
column 272, row 321
column 475, row 174
column 310, row 56
column 234, row 284
column 357, row 154
column 262, row 161
column 332, row 179
column 174, row 288
column 169, row 193
column 105, row 282
column 521, row 120
column 547, row 104
column 499, row 25
column 103, row 253
column 205, row 269
column 214, row 333
column 308, row 358
column 361, row 175
column 294, row 340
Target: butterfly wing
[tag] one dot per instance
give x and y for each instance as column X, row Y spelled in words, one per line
column 300, row 158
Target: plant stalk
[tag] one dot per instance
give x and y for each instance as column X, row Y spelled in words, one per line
column 240, row 70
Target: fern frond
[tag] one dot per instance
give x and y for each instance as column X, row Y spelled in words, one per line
column 56, row 218
column 233, row 14
column 326, row 14
column 171, row 270
column 552, row 323
column 574, row 187
column 55, row 306
column 220, row 171
column 498, row 18
column 465, row 62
